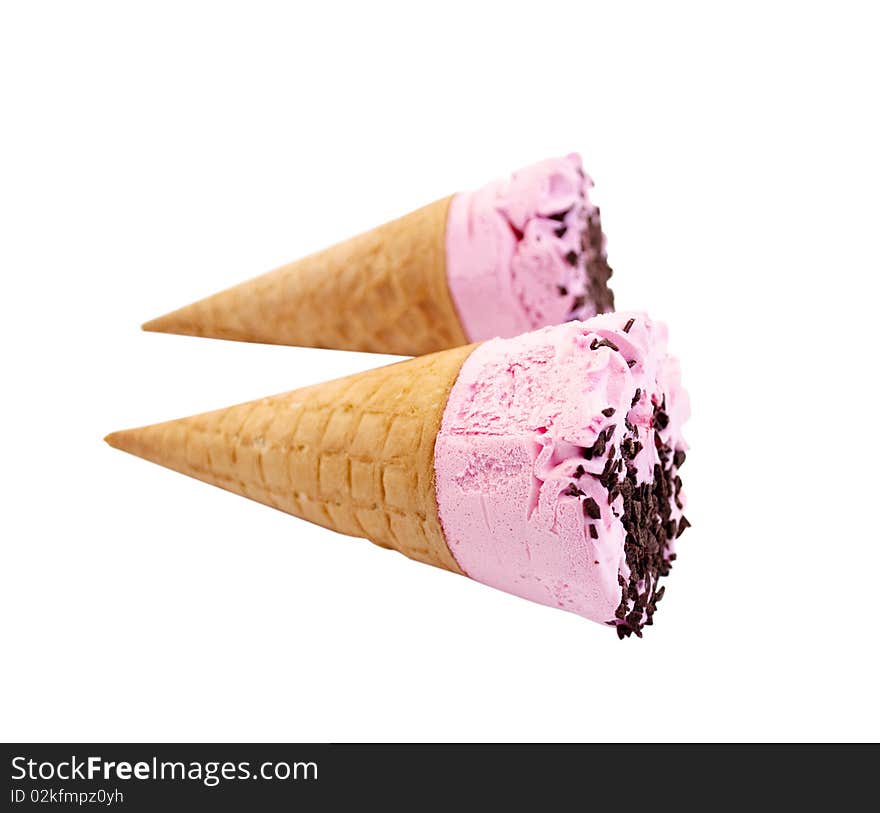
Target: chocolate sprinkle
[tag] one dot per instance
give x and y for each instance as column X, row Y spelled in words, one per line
column 628, row 325
column 596, row 268
column 597, row 343
column 591, row 508
column 560, row 232
column 563, row 291
column 636, row 397
column 630, row 448
column 650, row 529
column 598, row 448
column 646, row 514
column 571, row 258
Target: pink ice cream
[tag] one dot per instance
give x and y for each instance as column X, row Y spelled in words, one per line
column 527, row 252
column 557, row 466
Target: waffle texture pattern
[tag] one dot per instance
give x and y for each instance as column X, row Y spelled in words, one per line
column 384, row 291
column 355, row 455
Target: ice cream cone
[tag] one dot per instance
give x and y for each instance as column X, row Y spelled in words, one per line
column 499, row 261
column 545, row 465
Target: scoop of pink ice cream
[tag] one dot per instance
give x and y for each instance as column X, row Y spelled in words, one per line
column 557, row 466
column 527, row 252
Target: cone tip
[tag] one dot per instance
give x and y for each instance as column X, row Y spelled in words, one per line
column 162, row 324
column 126, row 440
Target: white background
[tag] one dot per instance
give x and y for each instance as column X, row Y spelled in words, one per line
column 153, row 153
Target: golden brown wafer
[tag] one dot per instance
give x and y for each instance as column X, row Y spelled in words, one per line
column 355, row 455
column 384, row 291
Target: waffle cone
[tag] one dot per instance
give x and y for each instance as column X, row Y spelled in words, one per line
column 384, row 291
column 355, row 455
